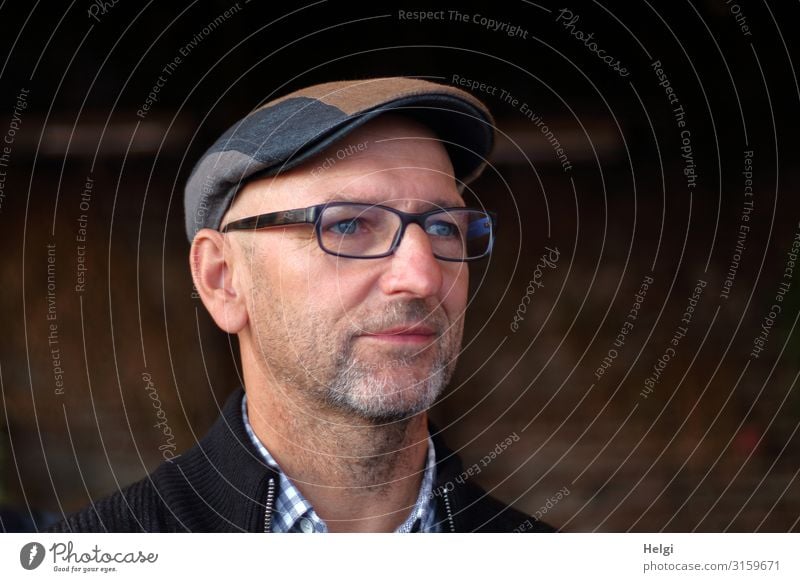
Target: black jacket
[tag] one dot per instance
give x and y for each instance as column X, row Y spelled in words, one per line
column 223, row 485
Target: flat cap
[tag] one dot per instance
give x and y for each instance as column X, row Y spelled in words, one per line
column 288, row 131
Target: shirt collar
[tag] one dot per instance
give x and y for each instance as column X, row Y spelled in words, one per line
column 293, row 513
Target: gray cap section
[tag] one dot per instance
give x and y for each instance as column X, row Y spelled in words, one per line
column 214, row 182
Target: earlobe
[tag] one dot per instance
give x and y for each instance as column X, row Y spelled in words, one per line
column 213, row 266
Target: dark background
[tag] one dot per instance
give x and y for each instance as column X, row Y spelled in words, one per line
column 714, row 446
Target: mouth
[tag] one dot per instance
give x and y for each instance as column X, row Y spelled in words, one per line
column 406, row 334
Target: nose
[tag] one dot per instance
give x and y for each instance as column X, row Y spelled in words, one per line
column 412, row 268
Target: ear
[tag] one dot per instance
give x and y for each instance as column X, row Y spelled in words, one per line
column 212, row 262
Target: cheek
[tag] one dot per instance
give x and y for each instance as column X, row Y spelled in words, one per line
column 301, row 282
column 455, row 290
column 328, row 288
column 280, row 282
column 341, row 293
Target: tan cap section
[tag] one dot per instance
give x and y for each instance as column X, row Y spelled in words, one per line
column 359, row 95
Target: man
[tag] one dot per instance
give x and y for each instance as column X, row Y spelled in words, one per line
column 330, row 235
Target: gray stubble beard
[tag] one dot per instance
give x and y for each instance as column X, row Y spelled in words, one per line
column 360, row 390
column 346, row 384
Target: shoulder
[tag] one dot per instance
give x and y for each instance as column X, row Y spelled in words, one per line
column 487, row 514
column 214, row 486
column 472, row 509
column 136, row 508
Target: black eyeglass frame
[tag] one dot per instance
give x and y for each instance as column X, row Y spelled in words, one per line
column 312, row 214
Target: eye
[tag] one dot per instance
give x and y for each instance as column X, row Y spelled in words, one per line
column 442, row 228
column 348, row 226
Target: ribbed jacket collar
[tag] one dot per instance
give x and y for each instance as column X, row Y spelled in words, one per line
column 227, row 474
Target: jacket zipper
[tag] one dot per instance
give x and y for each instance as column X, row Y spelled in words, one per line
column 449, row 512
column 270, row 501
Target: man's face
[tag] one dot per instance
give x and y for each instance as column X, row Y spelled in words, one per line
column 334, row 332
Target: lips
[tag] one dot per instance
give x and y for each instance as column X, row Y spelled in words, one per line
column 403, row 333
column 405, row 330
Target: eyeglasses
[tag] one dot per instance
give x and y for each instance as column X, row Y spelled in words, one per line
column 370, row 231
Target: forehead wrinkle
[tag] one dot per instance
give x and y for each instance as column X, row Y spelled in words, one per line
column 362, row 180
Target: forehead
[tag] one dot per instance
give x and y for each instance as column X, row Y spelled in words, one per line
column 390, row 160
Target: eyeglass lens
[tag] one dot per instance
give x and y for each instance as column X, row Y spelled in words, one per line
column 365, row 231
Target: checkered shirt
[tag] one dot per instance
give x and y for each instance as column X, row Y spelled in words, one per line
column 293, row 514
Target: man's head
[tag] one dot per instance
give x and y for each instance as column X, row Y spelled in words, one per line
column 371, row 338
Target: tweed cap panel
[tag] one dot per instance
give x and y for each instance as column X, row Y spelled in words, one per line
column 355, row 96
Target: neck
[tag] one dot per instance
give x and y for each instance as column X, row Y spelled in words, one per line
column 358, row 475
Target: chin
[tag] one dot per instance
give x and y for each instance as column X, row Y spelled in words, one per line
column 378, row 403
column 387, row 415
